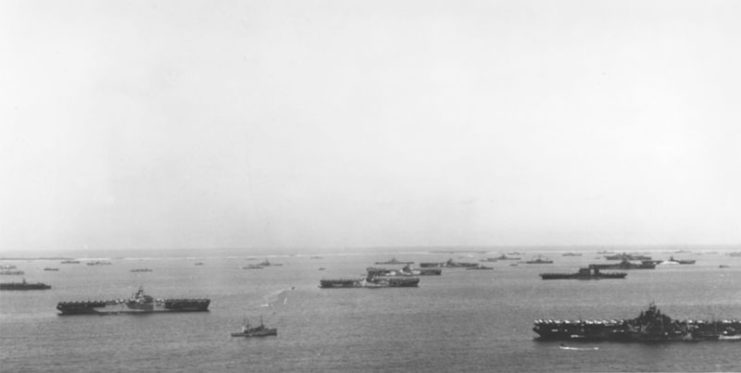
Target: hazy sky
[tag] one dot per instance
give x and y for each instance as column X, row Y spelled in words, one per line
column 169, row 124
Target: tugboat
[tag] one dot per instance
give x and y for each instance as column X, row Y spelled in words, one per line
column 24, row 286
column 650, row 326
column 583, row 274
column 255, row 331
column 138, row 303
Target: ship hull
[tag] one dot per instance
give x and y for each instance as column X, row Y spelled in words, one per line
column 340, row 283
column 571, row 276
column 23, row 287
column 636, row 331
column 118, row 307
column 124, row 312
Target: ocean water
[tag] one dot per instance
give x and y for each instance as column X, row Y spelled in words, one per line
column 473, row 321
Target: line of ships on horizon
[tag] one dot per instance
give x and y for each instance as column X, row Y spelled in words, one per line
column 650, row 326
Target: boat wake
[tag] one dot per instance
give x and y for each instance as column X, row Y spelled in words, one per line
column 579, row 348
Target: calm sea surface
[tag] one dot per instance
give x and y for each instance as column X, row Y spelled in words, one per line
column 460, row 321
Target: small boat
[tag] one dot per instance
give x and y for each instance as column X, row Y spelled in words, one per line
column 252, row 266
column 479, row 267
column 141, row 270
column 724, row 266
column 199, row 263
column 255, row 331
column 51, row 269
column 69, row 261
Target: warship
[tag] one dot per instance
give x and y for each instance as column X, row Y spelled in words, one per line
column 539, row 260
column 374, row 279
column 255, row 331
column 679, row 261
column 626, row 256
column 650, row 326
column 583, row 274
column 625, row 264
column 408, row 270
column 11, row 272
column 395, row 261
column 448, row 264
column 24, row 286
column 138, row 303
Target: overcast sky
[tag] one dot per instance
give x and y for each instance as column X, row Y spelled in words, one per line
column 274, row 124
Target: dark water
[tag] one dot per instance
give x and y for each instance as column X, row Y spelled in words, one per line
column 460, row 321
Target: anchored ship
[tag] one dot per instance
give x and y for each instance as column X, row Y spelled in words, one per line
column 394, row 261
column 24, row 286
column 449, row 264
column 408, row 270
column 255, row 331
column 650, row 326
column 625, row 264
column 375, row 278
column 583, row 274
column 678, row 261
column 138, row 303
column 11, row 272
column 626, row 256
column 539, row 260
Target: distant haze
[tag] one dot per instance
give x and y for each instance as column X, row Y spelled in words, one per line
column 274, row 124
